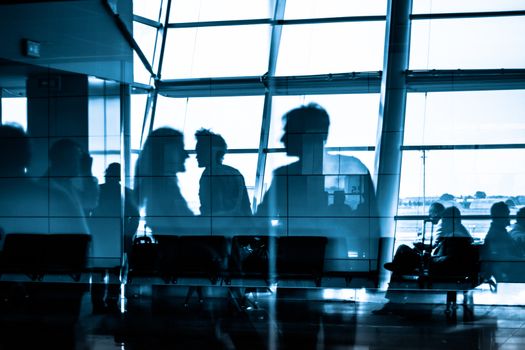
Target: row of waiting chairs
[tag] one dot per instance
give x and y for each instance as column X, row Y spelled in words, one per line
column 171, row 257
column 219, row 258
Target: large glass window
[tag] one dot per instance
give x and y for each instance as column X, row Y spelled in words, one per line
column 331, row 48
column 237, row 119
column 465, row 117
column 468, row 43
column 216, row 51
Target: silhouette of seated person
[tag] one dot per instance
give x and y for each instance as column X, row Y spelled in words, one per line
column 406, row 259
column 28, row 206
column 222, row 191
column 339, row 207
column 517, row 232
column 450, row 257
column 156, row 184
column 70, row 170
column 110, row 203
column 499, row 249
column 446, row 251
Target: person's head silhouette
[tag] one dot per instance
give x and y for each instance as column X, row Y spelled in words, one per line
column 210, row 148
column 112, row 173
column 163, row 154
column 65, row 158
column 435, row 212
column 500, row 213
column 305, row 126
column 15, row 151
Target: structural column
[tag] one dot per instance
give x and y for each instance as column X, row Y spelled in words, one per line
column 391, row 122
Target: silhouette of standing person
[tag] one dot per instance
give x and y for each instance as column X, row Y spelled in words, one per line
column 110, row 202
column 70, row 170
column 156, row 185
column 222, row 191
column 297, row 197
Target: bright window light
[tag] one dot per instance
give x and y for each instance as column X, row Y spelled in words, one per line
column 299, row 9
column 331, row 48
column 218, row 10
column 216, row 52
column 465, row 117
column 468, row 43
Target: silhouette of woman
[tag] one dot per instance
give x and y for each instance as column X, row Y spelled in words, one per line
column 156, row 185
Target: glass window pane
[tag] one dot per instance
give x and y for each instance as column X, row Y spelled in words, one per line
column 218, row 10
column 145, row 37
column 237, row 119
column 14, row 110
column 216, row 52
column 468, row 43
column 331, row 48
column 467, row 117
column 451, row 6
column 353, row 118
column 296, row 9
column 140, row 73
column 497, row 173
column 147, row 8
column 138, row 109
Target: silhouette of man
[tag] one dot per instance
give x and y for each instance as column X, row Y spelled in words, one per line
column 297, row 196
column 70, row 170
column 110, row 202
column 499, row 249
column 222, row 191
column 27, row 206
column 156, row 185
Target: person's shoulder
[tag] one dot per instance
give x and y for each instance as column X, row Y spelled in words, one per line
column 289, row 169
column 345, row 164
column 229, row 170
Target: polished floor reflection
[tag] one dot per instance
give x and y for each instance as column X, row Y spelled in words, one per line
column 284, row 319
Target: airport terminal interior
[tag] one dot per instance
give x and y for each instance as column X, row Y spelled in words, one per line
column 262, row 174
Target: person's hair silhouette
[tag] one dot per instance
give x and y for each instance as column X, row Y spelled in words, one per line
column 156, row 186
column 222, row 191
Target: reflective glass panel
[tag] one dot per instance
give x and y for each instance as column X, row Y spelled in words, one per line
column 468, row 43
column 473, row 179
column 147, row 8
column 296, row 9
column 465, row 117
column 451, row 6
column 217, row 10
column 331, row 48
column 216, row 52
column 353, row 118
column 237, row 119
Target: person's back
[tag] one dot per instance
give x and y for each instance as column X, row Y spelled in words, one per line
column 222, row 190
column 27, row 206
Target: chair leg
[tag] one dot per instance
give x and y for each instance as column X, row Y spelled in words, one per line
column 451, row 308
column 468, row 306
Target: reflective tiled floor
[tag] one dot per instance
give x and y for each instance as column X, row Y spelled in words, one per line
column 285, row 319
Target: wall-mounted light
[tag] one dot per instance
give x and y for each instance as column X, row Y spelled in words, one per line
column 30, row 48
